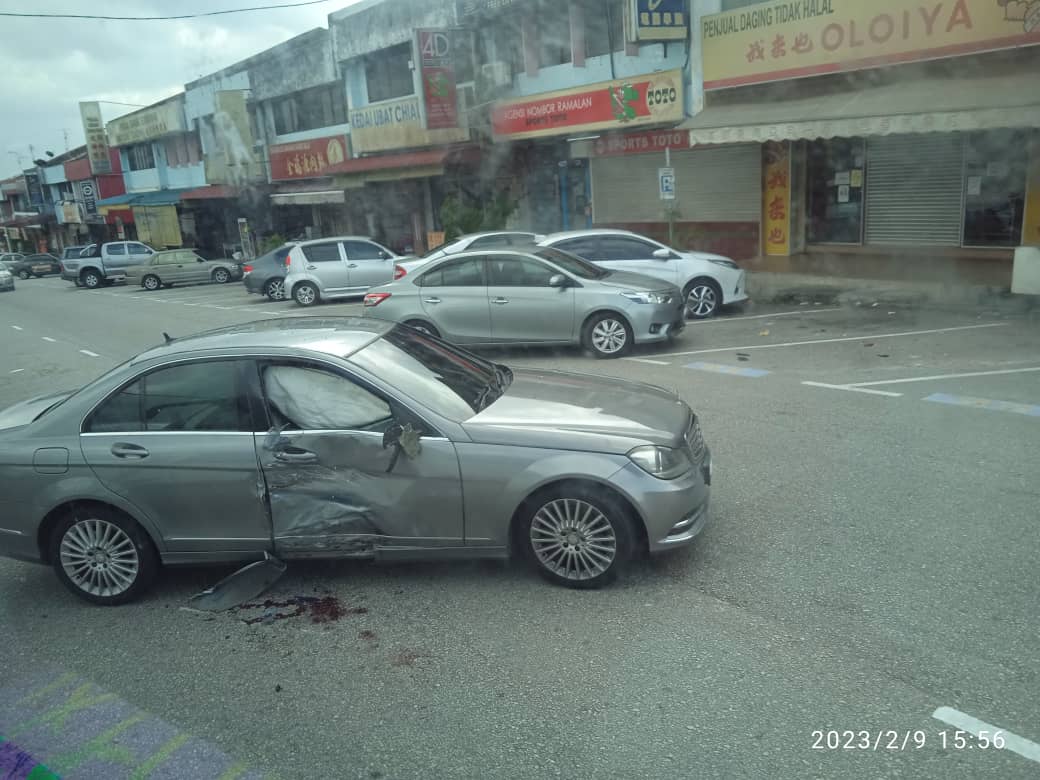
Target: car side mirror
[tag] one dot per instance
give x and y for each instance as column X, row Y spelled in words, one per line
column 558, row 280
column 662, row 254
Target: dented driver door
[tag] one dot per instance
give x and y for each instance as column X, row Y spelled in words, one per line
column 334, row 490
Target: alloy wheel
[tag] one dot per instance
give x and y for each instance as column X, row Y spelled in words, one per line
column 701, row 301
column 609, row 336
column 151, row 283
column 99, row 557
column 91, row 281
column 276, row 290
column 23, row 275
column 221, row 276
column 573, row 539
column 305, row 295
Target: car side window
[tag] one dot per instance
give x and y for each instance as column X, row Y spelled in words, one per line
column 509, row 271
column 468, row 272
column 116, row 249
column 311, row 399
column 586, row 247
column 322, row 253
column 364, row 250
column 138, row 249
column 623, row 248
column 204, row 396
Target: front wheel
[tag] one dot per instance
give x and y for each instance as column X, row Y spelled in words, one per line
column 703, row 298
column 275, row 289
column 306, row 294
column 222, row 276
column 151, row 283
column 91, row 280
column 103, row 556
column 607, row 336
column 23, row 275
column 578, row 536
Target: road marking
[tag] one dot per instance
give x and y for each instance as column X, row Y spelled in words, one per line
column 89, row 353
column 719, row 320
column 719, row 368
column 17, row 370
column 868, row 337
column 634, row 360
column 17, row 327
column 853, row 389
column 946, row 376
column 48, row 338
column 988, row 404
column 193, row 304
column 1016, row 744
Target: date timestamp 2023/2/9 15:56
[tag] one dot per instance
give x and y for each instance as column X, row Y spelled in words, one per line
column 906, row 739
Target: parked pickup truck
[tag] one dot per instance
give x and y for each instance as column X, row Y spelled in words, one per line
column 109, row 267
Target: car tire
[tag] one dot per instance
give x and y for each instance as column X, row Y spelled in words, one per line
column 577, row 535
column 607, row 335
column 274, row 289
column 306, row 294
column 702, row 297
column 222, row 276
column 423, row 327
column 23, row 275
column 103, row 556
column 151, row 283
column 91, row 279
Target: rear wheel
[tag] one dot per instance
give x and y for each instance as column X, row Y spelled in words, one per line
column 607, row 336
column 103, row 556
column 306, row 294
column 91, row 279
column 151, row 283
column 423, row 327
column 578, row 536
column 275, row 289
column 222, row 276
column 703, row 298
column 23, row 274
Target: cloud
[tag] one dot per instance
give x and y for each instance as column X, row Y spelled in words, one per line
column 49, row 65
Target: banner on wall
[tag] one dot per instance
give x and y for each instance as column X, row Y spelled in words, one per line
column 307, row 159
column 397, row 124
column 776, row 198
column 148, row 123
column 97, row 141
column 794, row 38
column 158, row 226
column 233, row 161
column 437, row 69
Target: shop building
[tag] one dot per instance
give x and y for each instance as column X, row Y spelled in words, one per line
column 19, row 223
column 894, row 136
column 74, row 191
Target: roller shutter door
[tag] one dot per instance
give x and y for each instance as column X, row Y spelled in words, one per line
column 913, row 190
column 713, row 185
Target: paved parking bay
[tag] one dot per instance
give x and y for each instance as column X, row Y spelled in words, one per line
column 870, row 567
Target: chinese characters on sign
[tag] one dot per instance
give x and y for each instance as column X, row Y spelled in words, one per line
column 776, row 198
column 97, row 143
column 437, row 69
column 778, row 40
column 307, row 159
column 658, row 20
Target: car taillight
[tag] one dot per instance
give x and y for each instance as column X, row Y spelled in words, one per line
column 287, row 261
column 374, row 299
column 399, row 273
column 247, row 268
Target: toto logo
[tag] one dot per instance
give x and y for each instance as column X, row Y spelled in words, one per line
column 661, row 96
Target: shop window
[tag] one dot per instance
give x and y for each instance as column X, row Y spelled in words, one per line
column 604, row 27
column 994, row 188
column 140, row 157
column 309, row 109
column 389, row 74
column 554, row 33
column 835, row 174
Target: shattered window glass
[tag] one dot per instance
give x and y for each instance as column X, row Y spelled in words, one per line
column 314, row 400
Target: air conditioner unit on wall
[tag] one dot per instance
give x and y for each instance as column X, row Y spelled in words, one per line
column 496, row 74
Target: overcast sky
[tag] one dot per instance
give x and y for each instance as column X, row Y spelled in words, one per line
column 49, row 65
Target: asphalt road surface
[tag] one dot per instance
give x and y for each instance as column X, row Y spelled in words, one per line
column 866, row 592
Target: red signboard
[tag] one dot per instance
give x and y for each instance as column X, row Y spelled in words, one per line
column 307, row 159
column 617, row 144
column 609, row 105
column 440, row 96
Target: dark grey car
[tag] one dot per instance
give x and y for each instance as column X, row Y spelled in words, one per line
column 343, row 438
column 266, row 274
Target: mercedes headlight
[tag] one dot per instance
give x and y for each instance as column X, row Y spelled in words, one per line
column 645, row 297
column 661, row 462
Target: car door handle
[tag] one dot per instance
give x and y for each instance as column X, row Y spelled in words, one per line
column 125, row 450
column 312, row 268
column 351, row 265
column 500, row 301
column 431, row 300
column 296, row 455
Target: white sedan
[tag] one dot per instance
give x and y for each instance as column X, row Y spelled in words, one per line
column 498, row 239
column 708, row 281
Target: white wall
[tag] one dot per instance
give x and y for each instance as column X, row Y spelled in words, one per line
column 141, row 181
column 186, row 176
column 200, row 99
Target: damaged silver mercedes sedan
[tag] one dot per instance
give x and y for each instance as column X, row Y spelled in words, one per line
column 343, row 438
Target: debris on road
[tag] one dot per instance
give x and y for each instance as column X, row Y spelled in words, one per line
column 246, row 583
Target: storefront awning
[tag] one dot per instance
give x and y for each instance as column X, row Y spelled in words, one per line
column 911, row 106
column 210, row 192
column 406, row 165
column 308, row 196
column 117, row 200
column 152, row 198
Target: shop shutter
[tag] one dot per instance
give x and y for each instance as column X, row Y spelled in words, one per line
column 713, row 185
column 913, row 190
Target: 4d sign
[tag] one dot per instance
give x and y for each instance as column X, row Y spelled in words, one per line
column 437, row 67
column 609, row 105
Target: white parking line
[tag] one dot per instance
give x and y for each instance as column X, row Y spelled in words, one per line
column 648, row 360
column 721, row 320
column 867, row 337
column 17, row 370
column 48, row 338
column 17, row 327
column 997, row 372
column 853, row 389
column 89, row 353
column 1016, row 744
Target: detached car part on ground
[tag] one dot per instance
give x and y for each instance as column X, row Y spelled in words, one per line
column 533, row 295
column 343, row 438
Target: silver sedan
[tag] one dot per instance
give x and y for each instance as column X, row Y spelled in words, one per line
column 533, row 295
column 343, row 438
